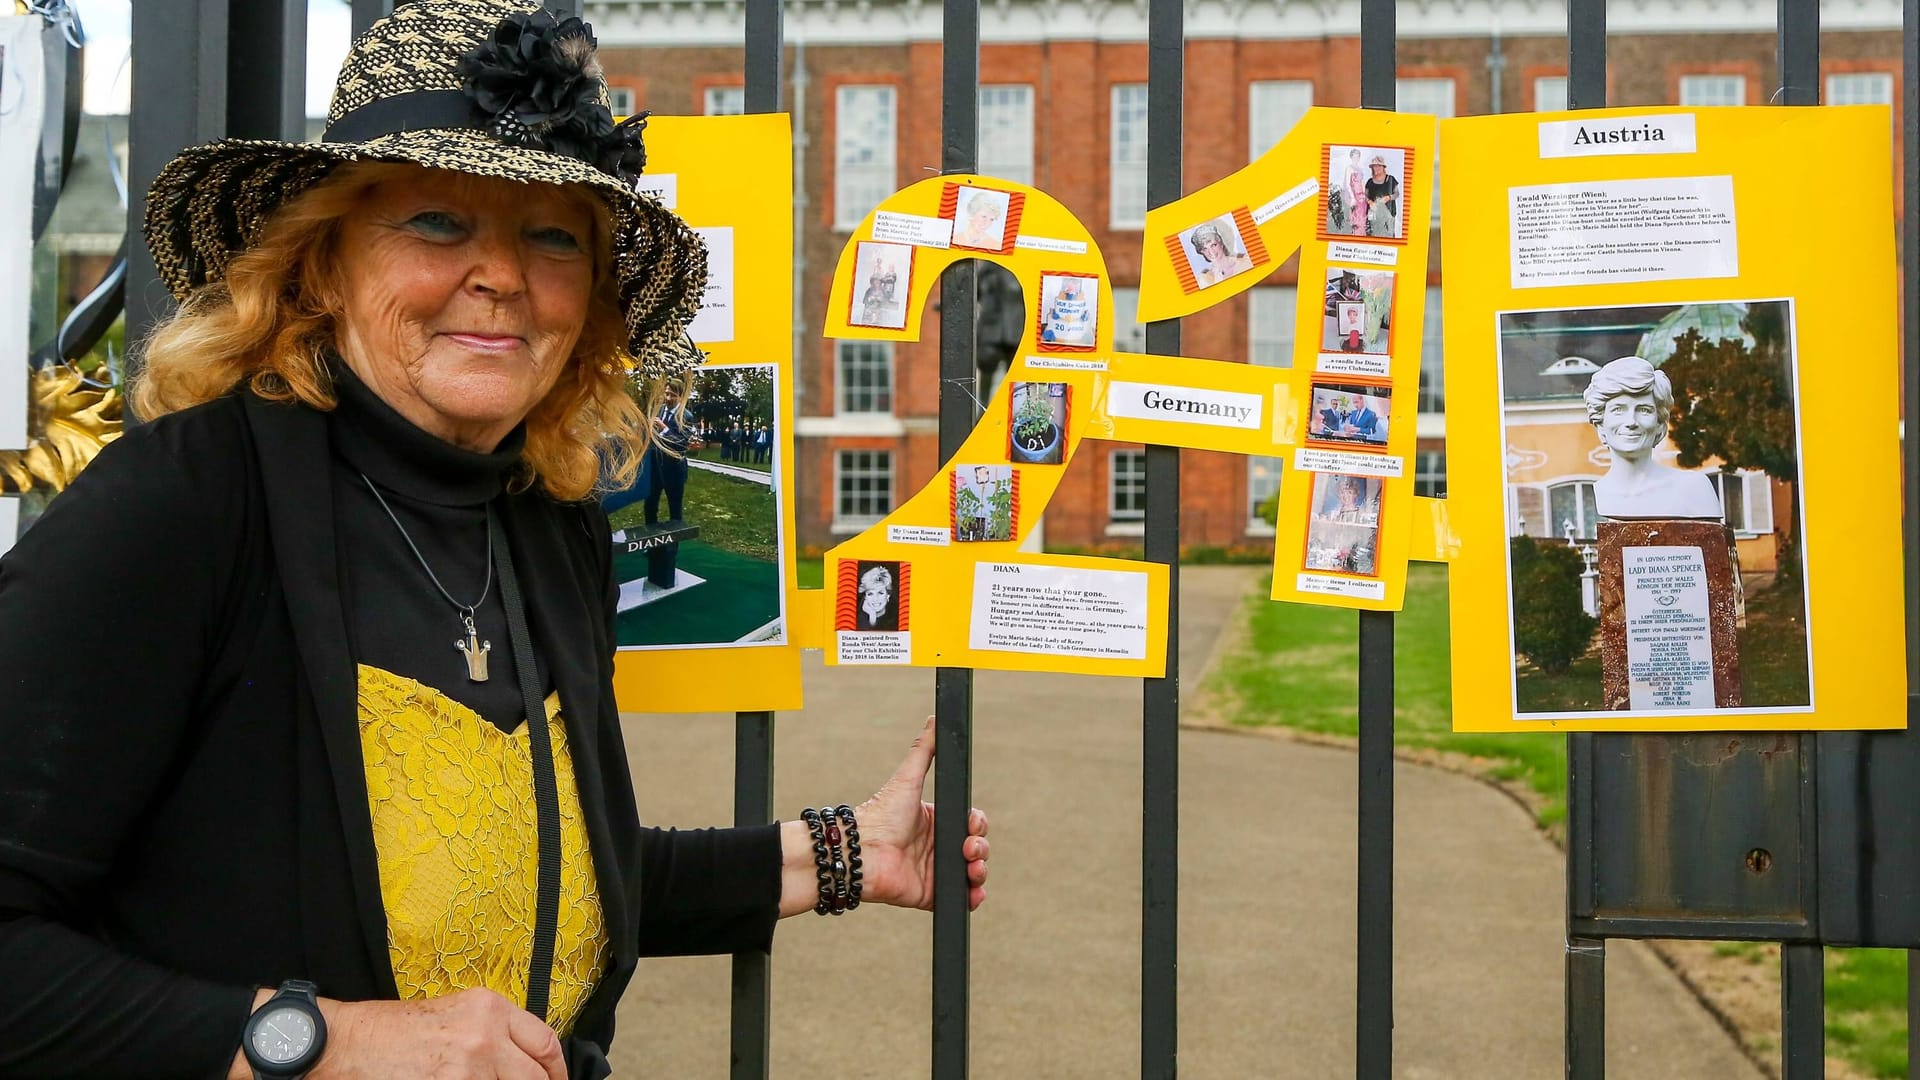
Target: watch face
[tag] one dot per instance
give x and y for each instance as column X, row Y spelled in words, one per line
column 283, row 1035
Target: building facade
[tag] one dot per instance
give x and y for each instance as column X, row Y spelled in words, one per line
column 1063, row 106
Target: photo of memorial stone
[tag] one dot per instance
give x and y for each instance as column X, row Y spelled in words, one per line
column 1651, row 478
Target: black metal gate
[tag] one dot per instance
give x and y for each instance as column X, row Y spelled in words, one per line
column 210, row 68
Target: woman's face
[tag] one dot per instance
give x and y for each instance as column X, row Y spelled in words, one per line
column 874, row 602
column 1214, row 248
column 462, row 297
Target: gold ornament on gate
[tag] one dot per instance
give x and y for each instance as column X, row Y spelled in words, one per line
column 71, row 421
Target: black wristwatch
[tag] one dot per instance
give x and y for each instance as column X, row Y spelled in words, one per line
column 284, row 1036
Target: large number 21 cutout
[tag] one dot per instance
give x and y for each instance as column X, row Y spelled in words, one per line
column 941, row 580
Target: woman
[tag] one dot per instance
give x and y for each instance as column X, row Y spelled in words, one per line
column 1218, row 258
column 1383, row 200
column 877, row 611
column 350, row 794
column 983, row 228
column 1356, row 193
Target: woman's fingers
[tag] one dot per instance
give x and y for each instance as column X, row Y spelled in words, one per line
column 539, row 1043
column 919, row 757
column 976, row 822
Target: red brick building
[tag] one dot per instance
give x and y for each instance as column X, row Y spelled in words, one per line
column 1063, row 106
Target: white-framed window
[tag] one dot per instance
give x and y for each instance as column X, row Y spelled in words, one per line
column 1006, row 132
column 863, row 376
column 1430, row 473
column 1434, row 97
column 620, row 100
column 725, row 100
column 1713, row 89
column 1263, row 484
column 863, row 142
column 1433, row 389
column 1273, row 107
column 1127, row 485
column 1550, row 93
column 863, row 486
column 1128, row 335
column 1747, row 499
column 1270, row 321
column 1859, row 88
column 1127, row 157
column 1571, row 512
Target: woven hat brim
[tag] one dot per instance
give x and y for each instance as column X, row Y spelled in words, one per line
column 211, row 202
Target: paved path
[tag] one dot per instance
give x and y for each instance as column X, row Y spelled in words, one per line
column 1266, row 903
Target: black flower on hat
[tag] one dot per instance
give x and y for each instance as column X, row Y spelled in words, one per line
column 536, row 77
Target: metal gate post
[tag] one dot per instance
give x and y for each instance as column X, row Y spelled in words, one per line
column 1373, row 1005
column 953, row 687
column 366, row 12
column 1160, row 698
column 1586, row 958
column 752, row 990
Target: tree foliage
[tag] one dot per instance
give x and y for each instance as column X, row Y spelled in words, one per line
column 1733, row 401
column 1551, row 626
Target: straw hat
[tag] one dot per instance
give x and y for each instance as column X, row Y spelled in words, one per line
column 495, row 88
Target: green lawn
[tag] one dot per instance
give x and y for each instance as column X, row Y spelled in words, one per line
column 734, row 515
column 1297, row 669
column 712, row 453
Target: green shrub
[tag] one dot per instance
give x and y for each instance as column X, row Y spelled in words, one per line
column 1550, row 626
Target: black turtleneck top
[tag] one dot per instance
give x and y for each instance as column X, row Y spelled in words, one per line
column 396, row 619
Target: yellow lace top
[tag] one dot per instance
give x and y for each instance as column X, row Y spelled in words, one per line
column 454, row 825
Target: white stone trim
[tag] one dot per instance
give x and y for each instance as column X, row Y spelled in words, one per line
column 859, row 425
column 895, row 22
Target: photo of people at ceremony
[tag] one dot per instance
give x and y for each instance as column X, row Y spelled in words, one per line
column 1215, row 250
column 1363, row 191
column 1653, row 456
column 698, row 541
column 980, row 219
column 1069, row 312
column 882, row 278
column 1349, row 414
column 1358, row 314
column 1343, row 533
column 985, row 502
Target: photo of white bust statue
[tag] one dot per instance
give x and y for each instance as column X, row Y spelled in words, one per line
column 1627, row 403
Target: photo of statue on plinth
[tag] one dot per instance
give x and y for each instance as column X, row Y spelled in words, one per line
column 1669, row 579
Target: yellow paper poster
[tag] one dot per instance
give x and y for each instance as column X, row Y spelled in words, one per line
column 1350, row 191
column 1673, row 426
column 710, row 616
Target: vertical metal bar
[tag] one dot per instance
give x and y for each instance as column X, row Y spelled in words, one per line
column 267, row 70
column 1910, row 383
column 1373, row 1000
column 1586, row 961
column 752, row 996
column 1160, row 698
column 367, row 12
column 179, row 99
column 953, row 687
column 1803, row 1012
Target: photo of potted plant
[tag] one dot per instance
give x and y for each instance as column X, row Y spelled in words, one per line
column 1039, row 429
column 983, row 502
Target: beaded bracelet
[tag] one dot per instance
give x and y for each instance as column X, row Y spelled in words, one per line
column 817, row 827
column 854, row 875
column 839, row 873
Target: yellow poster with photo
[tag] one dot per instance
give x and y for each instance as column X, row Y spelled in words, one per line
column 1350, row 190
column 710, row 617
column 1673, row 422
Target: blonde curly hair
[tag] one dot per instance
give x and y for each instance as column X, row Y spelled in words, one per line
column 270, row 324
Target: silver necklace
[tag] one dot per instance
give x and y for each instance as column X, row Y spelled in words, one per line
column 471, row 647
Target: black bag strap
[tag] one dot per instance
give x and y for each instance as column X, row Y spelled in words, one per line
column 546, row 788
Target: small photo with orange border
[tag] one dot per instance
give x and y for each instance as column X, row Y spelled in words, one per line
column 882, row 282
column 1364, row 192
column 1358, row 314
column 1343, row 525
column 1212, row 251
column 1037, row 414
column 985, row 503
column 872, row 596
column 1348, row 415
column 1069, row 318
column 984, row 219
